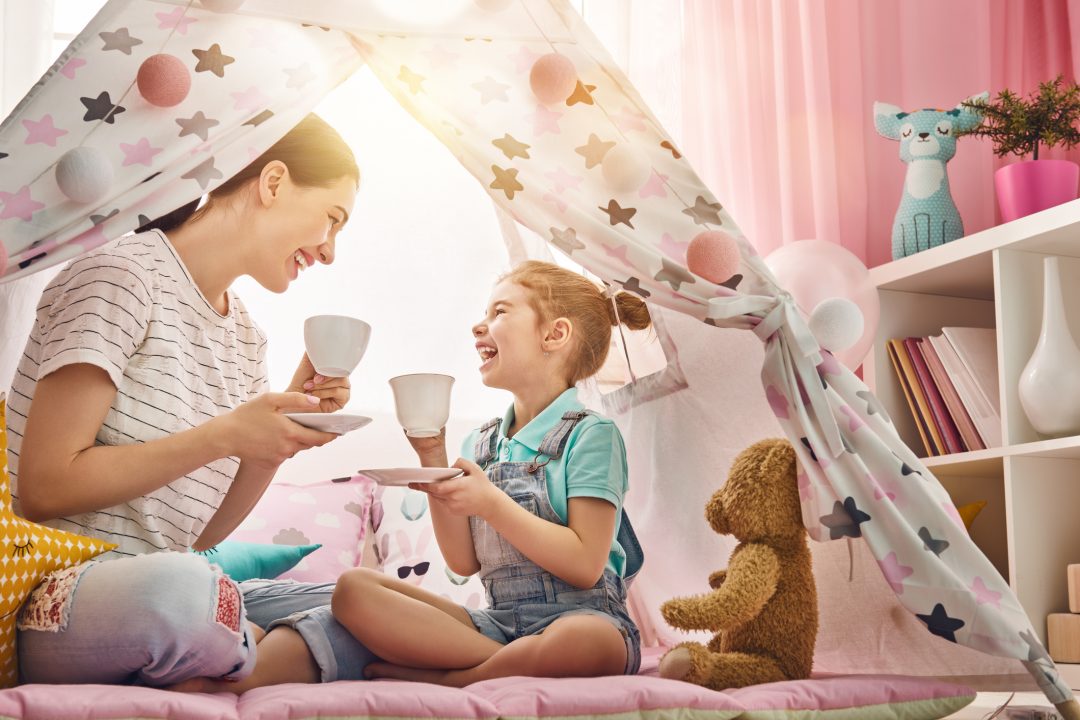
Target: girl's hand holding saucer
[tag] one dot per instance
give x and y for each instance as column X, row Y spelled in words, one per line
column 333, row 392
column 468, row 494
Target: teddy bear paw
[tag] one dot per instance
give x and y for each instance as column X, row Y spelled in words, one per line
column 676, row 664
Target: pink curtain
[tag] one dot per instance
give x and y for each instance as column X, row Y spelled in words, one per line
column 777, row 99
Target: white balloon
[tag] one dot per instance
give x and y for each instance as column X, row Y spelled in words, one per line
column 84, row 174
column 837, row 323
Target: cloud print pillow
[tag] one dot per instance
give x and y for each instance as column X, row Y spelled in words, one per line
column 334, row 515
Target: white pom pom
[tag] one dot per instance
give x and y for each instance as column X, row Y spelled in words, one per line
column 222, row 6
column 625, row 168
column 837, row 323
column 84, row 174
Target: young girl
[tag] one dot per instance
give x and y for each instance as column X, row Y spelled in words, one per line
column 538, row 512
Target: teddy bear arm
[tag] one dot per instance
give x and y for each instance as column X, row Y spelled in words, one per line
column 749, row 584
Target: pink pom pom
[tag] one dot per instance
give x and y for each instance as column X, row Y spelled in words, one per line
column 713, row 255
column 552, row 78
column 3, row 259
column 163, row 80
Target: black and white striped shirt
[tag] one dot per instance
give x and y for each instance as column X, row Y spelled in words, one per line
column 132, row 309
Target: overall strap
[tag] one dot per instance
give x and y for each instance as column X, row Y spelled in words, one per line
column 555, row 441
column 487, row 441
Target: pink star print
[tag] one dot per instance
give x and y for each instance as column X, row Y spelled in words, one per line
column 71, row 66
column 627, row 120
column 829, row 364
column 777, row 402
column 655, row 186
column 984, row 595
column 673, row 248
column 524, row 59
column 42, row 131
column 895, row 572
column 545, row 120
column 952, row 512
column 619, row 253
column 806, row 490
column 883, row 491
column 141, row 152
column 250, row 99
column 19, row 205
column 557, row 201
column 563, row 180
column 174, row 20
column 854, row 421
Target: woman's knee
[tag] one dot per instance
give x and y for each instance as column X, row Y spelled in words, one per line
column 182, row 594
column 354, row 590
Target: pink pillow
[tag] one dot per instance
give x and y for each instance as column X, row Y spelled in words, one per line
column 405, row 547
column 334, row 514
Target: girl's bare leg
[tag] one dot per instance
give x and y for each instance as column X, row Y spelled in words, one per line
column 406, row 625
column 573, row 646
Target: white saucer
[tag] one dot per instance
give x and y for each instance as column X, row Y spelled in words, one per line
column 339, row 423
column 404, row 476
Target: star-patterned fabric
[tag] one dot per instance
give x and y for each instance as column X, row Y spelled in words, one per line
column 462, row 70
column 28, row 553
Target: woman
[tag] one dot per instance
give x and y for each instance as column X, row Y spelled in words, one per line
column 140, row 415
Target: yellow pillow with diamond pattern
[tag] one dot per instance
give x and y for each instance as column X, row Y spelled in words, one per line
column 28, row 552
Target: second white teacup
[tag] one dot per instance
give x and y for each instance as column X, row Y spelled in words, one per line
column 422, row 402
column 335, row 343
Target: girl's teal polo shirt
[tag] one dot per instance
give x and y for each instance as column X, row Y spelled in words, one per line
column 593, row 463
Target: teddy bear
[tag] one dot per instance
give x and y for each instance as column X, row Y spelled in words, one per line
column 763, row 608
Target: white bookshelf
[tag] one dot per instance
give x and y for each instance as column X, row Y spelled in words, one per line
column 1030, row 528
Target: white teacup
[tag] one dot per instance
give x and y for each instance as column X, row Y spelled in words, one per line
column 335, row 343
column 422, row 402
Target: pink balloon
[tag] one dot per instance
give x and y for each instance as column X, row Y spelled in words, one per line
column 816, row 270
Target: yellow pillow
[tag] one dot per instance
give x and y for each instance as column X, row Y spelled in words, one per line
column 28, row 552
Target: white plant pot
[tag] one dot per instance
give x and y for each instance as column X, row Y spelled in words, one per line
column 1049, row 386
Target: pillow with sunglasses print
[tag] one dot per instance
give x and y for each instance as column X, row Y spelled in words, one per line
column 405, row 547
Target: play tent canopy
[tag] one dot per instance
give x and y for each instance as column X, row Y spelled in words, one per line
column 157, row 102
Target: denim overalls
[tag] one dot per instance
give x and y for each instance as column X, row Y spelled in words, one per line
column 524, row 598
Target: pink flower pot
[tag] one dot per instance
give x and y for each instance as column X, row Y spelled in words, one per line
column 1033, row 185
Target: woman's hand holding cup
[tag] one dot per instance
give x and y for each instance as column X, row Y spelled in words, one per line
column 333, row 392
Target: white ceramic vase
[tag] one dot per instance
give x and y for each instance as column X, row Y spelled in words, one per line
column 1049, row 386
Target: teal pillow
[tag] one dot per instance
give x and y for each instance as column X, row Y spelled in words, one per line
column 249, row 561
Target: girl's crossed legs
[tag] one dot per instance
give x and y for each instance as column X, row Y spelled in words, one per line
column 425, row 637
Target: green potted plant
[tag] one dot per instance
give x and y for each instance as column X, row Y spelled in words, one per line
column 1023, row 126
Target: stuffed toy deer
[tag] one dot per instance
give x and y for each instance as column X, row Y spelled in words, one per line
column 927, row 216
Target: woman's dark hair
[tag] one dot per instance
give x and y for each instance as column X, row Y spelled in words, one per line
column 314, row 152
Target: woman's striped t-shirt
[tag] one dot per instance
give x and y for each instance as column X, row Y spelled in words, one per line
column 132, row 309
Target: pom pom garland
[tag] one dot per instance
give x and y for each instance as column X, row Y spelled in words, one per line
column 84, row 174
column 625, row 168
column 163, row 80
column 553, row 78
column 713, row 255
column 837, row 323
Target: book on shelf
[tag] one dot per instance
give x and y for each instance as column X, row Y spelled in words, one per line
column 968, row 432
column 939, row 414
column 905, row 372
column 985, row 416
column 977, row 350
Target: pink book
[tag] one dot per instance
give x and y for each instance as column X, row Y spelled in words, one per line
column 940, row 414
column 953, row 403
